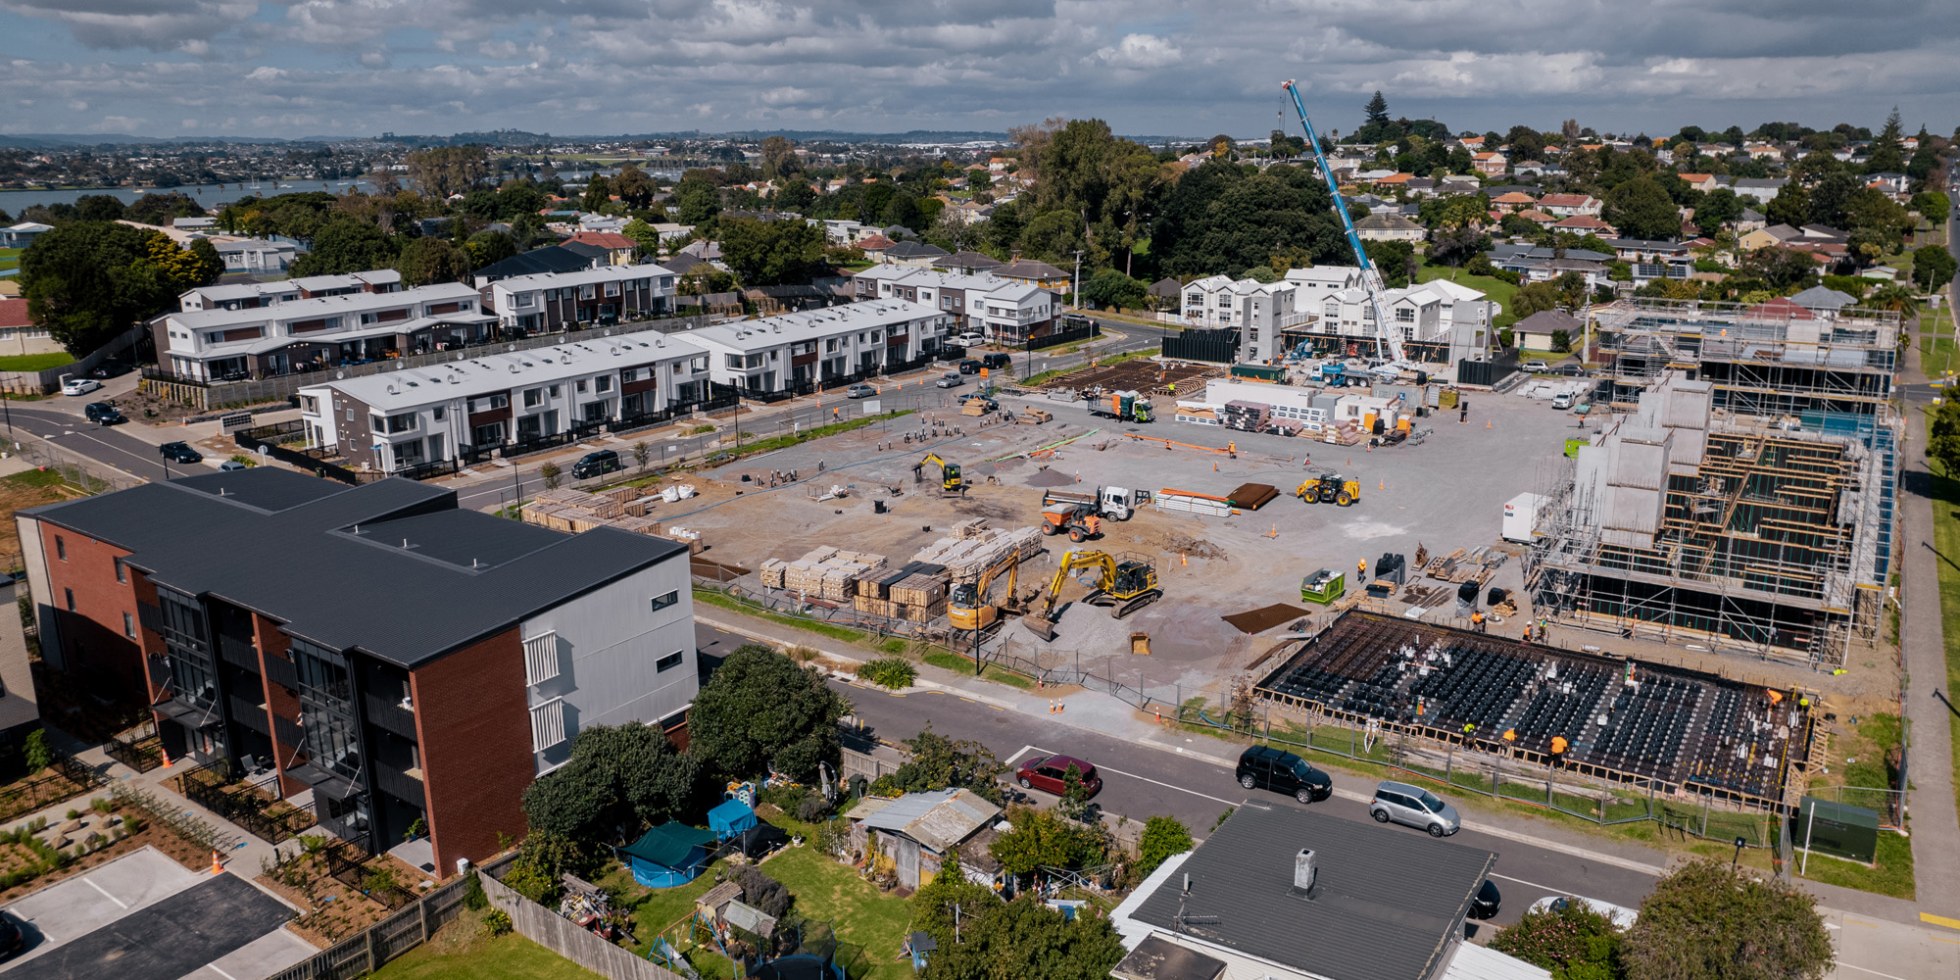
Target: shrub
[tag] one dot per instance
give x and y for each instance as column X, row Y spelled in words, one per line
column 1162, row 837
column 102, row 806
column 812, row 808
column 497, row 922
column 74, row 814
column 831, row 836
column 891, row 673
column 39, row 756
column 381, row 880
column 762, row 892
column 473, row 897
column 1561, row 341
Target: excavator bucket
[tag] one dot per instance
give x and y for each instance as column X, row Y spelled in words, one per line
column 1040, row 626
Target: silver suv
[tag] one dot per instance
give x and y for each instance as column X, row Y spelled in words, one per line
column 1413, row 806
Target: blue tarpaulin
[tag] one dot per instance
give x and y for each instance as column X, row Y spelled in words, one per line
column 730, row 818
column 669, row 855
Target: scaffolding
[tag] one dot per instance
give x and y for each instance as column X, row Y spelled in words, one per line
column 1741, row 532
column 1770, row 359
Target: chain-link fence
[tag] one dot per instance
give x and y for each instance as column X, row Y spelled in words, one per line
column 75, row 471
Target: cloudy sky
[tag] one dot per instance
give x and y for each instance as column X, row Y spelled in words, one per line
column 1185, row 67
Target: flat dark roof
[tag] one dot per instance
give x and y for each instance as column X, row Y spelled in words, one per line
column 394, row 568
column 1160, row 959
column 1385, row 906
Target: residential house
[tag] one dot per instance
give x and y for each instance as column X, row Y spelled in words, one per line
column 397, row 421
column 1388, row 226
column 1512, row 201
column 551, row 301
column 1763, row 151
column 1586, row 224
column 1569, row 205
column 1768, row 237
column 1314, row 284
column 317, row 333
column 1420, row 187
column 612, row 248
column 1537, row 168
column 405, row 664
column 202, row 223
column 1535, row 332
column 919, row 835
column 1889, row 182
column 1824, row 301
column 1537, row 217
column 255, row 256
column 1005, row 311
column 253, row 295
column 1537, row 264
column 827, row 347
column 1699, row 182
column 1824, row 233
column 1650, row 260
column 1761, row 189
column 1260, row 311
column 23, row 234
column 1280, row 893
column 968, row 262
column 1035, row 273
column 1166, row 293
column 918, row 255
column 550, row 258
column 1490, row 163
column 1751, row 220
column 874, row 246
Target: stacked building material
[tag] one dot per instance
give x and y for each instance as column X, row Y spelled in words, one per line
column 966, row 558
column 823, row 573
column 1252, row 496
column 576, row 511
column 1245, row 416
column 915, row 592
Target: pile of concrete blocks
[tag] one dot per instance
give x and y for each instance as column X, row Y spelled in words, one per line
column 972, row 551
column 824, row 573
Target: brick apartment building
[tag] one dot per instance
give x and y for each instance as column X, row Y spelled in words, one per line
column 375, row 648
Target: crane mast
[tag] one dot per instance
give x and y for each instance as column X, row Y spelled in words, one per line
column 1387, row 344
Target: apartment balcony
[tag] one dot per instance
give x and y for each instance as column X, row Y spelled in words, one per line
column 190, row 713
column 406, row 786
column 390, row 716
column 239, row 653
column 249, row 713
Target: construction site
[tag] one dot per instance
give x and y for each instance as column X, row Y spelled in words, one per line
column 1742, row 497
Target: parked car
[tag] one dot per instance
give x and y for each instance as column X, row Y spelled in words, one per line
column 1265, row 767
column 232, row 466
column 950, row 381
column 1563, row 400
column 860, row 391
column 1572, row 369
column 968, row 339
column 180, row 452
column 71, row 385
column 1049, row 774
column 1535, row 367
column 103, row 413
column 996, row 359
column 1487, row 902
column 1413, row 806
column 594, row 464
column 1619, row 915
column 970, row 366
column 12, row 937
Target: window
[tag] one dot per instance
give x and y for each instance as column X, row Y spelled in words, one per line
column 68, row 598
column 122, row 572
column 602, row 383
column 541, row 658
column 441, row 411
column 533, row 397
column 60, row 548
column 668, row 662
column 612, row 289
column 1405, row 315
column 663, row 601
column 129, row 626
column 581, row 387
column 548, row 724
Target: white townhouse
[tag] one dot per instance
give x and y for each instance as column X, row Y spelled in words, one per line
column 1006, row 311
column 811, row 348
column 547, row 302
column 393, row 421
column 252, row 295
column 317, row 333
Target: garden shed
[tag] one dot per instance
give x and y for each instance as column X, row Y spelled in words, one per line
column 917, row 831
column 669, row 855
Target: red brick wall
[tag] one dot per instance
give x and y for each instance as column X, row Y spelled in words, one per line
column 279, row 702
column 474, row 726
column 93, row 645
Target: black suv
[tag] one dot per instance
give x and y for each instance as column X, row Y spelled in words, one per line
column 1265, row 767
column 180, row 452
column 593, row 464
column 103, row 413
column 996, row 359
column 969, row 366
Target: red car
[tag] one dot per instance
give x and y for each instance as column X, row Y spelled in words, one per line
column 1050, row 774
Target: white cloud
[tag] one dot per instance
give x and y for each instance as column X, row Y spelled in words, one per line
column 1142, row 52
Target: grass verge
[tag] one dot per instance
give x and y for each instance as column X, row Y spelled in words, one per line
column 464, row 950
column 1946, row 541
column 1890, row 873
column 34, row 362
column 964, row 665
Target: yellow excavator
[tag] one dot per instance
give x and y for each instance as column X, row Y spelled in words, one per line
column 950, row 481
column 969, row 609
column 1126, row 584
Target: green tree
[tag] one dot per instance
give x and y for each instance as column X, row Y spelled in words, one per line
column 644, row 236
column 1573, row 942
column 98, row 207
column 486, row 247
column 618, row 780
column 634, row 187
column 1022, row 938
column 85, row 281
column 1932, row 267
column 1040, row 839
column 768, row 253
column 1376, row 109
column 36, row 750
column 696, row 200
column 1162, row 837
column 1888, row 150
column 1943, row 439
column 1708, row 921
column 431, row 260
column 598, row 194
column 1110, row 288
column 762, row 711
column 779, row 157
column 1396, row 261
column 157, row 208
column 440, row 171
column 346, row 244
column 1780, row 268
column 1717, row 208
column 1534, row 297
column 1641, row 208
column 1933, row 205
column 1790, row 206
column 938, row 762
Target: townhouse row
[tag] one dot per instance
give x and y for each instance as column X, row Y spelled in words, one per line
column 402, row 665
column 256, row 330
column 1327, row 309
column 464, row 410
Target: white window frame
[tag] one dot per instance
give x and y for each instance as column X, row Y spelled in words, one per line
column 547, row 724
column 541, row 658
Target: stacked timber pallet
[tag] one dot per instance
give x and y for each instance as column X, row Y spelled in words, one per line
column 824, row 573
column 576, row 511
column 914, row 592
column 1245, row 416
column 974, row 550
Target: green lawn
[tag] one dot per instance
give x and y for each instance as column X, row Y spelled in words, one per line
column 1890, row 874
column 1497, row 289
column 34, row 362
column 1946, row 541
column 10, row 258
column 862, row 916
column 471, row 955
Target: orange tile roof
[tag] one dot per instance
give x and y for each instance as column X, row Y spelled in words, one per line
column 875, row 242
column 1513, row 197
column 1697, row 178
column 604, row 239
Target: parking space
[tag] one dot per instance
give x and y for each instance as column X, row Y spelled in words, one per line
column 144, row 915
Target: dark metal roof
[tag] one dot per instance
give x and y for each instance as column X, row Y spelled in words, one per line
column 550, row 258
column 1161, row 959
column 1385, row 906
column 393, row 568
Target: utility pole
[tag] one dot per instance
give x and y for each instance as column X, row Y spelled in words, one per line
column 1076, row 295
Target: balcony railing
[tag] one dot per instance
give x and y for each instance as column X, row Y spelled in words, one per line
column 239, row 653
column 390, row 716
column 400, row 785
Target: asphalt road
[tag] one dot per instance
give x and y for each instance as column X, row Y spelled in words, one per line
column 61, row 423
column 1141, row 781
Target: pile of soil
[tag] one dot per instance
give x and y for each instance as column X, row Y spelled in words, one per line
column 1265, row 617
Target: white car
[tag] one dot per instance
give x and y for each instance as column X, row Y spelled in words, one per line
column 968, row 340
column 1621, row 916
column 1536, row 367
column 79, row 386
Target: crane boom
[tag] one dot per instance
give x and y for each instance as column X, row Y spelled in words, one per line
column 1387, row 344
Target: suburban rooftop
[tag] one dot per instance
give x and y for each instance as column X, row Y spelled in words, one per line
column 413, row 387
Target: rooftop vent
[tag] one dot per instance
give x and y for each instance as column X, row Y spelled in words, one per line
column 1305, row 871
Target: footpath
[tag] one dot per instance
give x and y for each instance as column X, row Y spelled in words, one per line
column 1885, row 934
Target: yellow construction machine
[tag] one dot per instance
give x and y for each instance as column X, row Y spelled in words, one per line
column 1329, row 488
column 969, row 607
column 1125, row 584
column 950, row 480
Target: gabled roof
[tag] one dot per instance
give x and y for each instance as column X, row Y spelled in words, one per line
column 915, row 250
column 1513, row 197
column 1029, row 269
column 1564, row 200
column 1387, row 221
column 968, row 259
column 1823, row 298
column 1780, row 308
column 874, row 242
column 1165, row 288
column 941, row 819
column 604, row 239
column 550, row 258
column 1587, row 221
column 1546, row 321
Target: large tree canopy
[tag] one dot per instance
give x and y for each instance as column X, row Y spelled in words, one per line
column 1707, row 921
column 619, row 780
column 761, row 711
column 85, row 281
column 1224, row 216
column 768, row 253
column 1642, row 208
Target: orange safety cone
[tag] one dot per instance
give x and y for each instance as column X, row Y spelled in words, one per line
column 1486, row 423
column 1381, row 484
column 217, row 868
column 1183, row 560
column 1160, row 713
column 1061, row 707
column 166, row 756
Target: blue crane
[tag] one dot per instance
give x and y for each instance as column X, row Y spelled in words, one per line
column 1387, row 344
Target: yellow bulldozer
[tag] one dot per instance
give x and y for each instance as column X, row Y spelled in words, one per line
column 1329, row 488
column 1125, row 584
